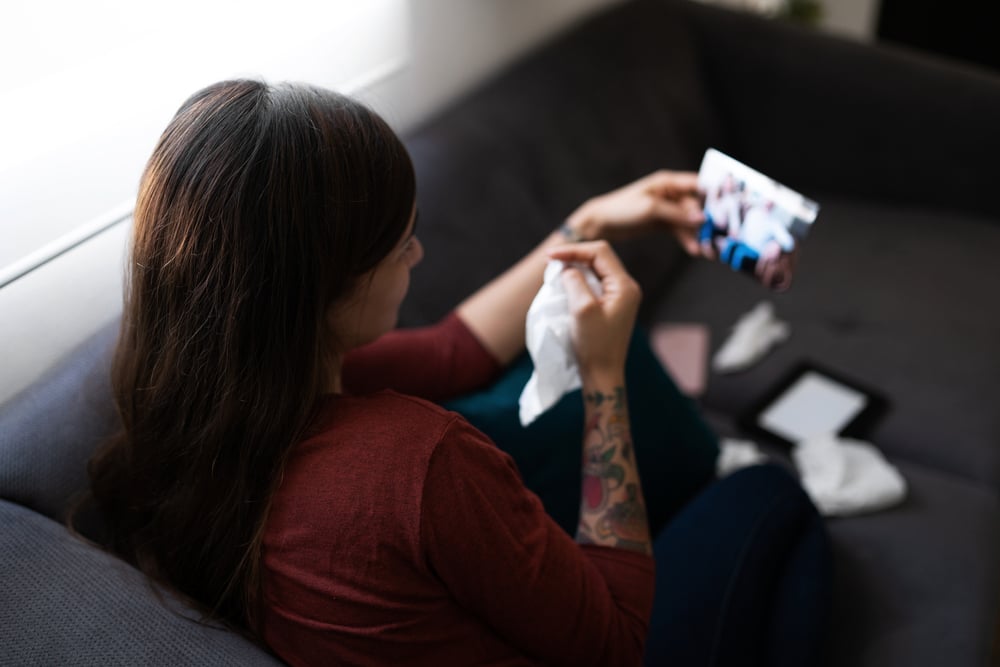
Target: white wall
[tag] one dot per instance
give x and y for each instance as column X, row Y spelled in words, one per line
column 452, row 44
column 848, row 18
column 88, row 87
column 851, row 18
column 47, row 312
column 455, row 43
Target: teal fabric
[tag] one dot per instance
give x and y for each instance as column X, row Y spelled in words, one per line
column 675, row 449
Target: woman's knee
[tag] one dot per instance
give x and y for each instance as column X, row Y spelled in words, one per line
column 769, row 500
column 770, row 481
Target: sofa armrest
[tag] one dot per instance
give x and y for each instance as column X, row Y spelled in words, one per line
column 828, row 115
column 49, row 430
column 64, row 602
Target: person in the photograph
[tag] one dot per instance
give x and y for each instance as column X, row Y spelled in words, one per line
column 761, row 239
column 764, row 230
column 775, row 267
column 722, row 214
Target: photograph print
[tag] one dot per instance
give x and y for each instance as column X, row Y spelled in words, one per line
column 753, row 224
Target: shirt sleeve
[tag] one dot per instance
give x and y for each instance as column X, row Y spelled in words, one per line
column 488, row 539
column 435, row 362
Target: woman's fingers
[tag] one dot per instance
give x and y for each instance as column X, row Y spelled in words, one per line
column 597, row 254
column 663, row 197
column 578, row 291
column 684, row 212
column 671, row 182
column 602, row 325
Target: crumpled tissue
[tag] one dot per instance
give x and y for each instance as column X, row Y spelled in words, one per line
column 736, row 454
column 845, row 476
column 547, row 337
column 754, row 334
column 842, row 476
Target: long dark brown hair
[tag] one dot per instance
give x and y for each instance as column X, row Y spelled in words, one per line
column 260, row 207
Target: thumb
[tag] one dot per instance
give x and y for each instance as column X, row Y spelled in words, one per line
column 578, row 292
column 693, row 211
column 685, row 212
column 690, row 244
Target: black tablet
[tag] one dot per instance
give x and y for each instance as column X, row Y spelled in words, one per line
column 811, row 400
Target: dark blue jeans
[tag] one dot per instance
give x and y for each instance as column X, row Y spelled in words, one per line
column 742, row 576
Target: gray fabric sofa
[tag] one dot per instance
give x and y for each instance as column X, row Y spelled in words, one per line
column 896, row 287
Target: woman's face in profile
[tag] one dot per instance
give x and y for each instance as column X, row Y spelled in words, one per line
column 373, row 309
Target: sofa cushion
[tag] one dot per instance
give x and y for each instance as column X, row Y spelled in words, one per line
column 49, row 431
column 64, row 602
column 900, row 299
column 918, row 584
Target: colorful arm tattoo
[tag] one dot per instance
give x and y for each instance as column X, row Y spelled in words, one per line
column 612, row 509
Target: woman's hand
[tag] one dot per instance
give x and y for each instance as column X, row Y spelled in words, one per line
column 602, row 325
column 662, row 200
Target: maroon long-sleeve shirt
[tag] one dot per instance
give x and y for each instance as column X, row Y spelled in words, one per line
column 401, row 535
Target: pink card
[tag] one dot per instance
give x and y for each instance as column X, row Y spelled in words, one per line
column 683, row 351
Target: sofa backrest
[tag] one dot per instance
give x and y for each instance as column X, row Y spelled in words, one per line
column 49, row 430
column 64, row 602
column 609, row 101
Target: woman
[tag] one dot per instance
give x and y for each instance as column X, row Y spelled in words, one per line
column 279, row 462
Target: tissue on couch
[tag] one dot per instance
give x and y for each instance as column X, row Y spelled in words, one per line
column 844, row 476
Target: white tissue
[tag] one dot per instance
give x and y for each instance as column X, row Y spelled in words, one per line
column 845, row 476
column 753, row 336
column 736, row 454
column 547, row 337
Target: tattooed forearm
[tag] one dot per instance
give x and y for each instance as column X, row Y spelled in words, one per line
column 612, row 509
column 615, row 398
